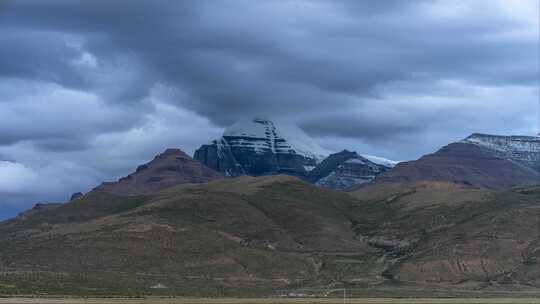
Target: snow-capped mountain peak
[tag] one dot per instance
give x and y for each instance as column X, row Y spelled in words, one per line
column 262, row 147
column 263, row 135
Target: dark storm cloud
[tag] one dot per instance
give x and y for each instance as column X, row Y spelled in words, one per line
column 80, row 77
column 235, row 58
column 55, row 118
column 48, row 62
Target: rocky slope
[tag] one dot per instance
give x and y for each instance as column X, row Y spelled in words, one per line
column 344, row 169
column 167, row 169
column 488, row 161
column 252, row 236
column 258, row 147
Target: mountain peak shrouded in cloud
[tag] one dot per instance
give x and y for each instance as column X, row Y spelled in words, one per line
column 288, row 133
column 260, row 147
column 90, row 89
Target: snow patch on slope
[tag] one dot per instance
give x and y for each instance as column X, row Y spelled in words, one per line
column 523, row 149
column 247, row 128
column 381, row 161
column 302, row 143
column 506, row 143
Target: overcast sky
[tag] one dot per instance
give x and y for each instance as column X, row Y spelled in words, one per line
column 91, row 89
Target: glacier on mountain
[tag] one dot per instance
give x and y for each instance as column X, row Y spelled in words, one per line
column 380, row 160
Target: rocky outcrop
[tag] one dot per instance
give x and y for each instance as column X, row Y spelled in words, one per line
column 170, row 168
column 344, row 169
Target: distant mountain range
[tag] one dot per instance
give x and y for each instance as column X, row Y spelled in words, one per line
column 460, row 221
column 261, row 147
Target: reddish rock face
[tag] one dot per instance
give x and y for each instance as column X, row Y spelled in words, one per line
column 464, row 163
column 170, row 168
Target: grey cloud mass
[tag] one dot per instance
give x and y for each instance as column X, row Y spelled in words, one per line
column 90, row 89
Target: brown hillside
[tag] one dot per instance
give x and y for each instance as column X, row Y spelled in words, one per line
column 168, row 169
column 466, row 164
column 253, row 236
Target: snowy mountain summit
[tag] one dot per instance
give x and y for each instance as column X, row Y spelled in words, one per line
column 263, row 135
column 261, row 147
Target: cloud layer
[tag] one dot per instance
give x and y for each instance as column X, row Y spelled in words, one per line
column 90, row 89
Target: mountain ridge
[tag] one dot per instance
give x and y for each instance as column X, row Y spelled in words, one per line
column 519, row 148
column 345, row 169
column 489, row 161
